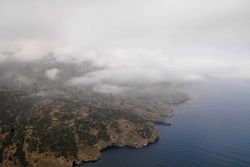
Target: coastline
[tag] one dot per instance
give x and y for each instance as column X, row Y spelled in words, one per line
column 120, row 144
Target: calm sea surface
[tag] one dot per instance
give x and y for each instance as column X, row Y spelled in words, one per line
column 213, row 129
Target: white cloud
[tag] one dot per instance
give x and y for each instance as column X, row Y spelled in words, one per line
column 52, row 73
column 134, row 41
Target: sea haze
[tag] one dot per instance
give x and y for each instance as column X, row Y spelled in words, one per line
column 212, row 129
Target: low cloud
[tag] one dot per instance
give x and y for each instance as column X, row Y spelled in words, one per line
column 133, row 43
column 52, row 73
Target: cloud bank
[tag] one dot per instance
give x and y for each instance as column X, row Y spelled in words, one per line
column 131, row 42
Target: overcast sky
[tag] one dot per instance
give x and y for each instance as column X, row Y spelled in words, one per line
column 149, row 40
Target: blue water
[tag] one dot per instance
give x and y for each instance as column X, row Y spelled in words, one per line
column 213, row 129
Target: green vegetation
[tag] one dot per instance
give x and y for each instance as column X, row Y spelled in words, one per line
column 58, row 139
column 58, row 125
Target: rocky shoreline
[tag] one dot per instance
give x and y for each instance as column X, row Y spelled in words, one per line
column 55, row 132
column 90, row 154
column 136, row 145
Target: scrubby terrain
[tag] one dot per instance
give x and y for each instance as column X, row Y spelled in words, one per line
column 48, row 122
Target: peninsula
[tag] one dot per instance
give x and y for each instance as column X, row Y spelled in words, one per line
column 49, row 123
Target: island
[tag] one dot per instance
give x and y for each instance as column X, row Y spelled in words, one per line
column 51, row 124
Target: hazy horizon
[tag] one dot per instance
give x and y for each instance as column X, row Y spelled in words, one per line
column 82, row 76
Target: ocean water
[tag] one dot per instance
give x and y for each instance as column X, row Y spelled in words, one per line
column 212, row 129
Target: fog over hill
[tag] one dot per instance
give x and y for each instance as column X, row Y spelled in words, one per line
column 131, row 42
column 79, row 76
